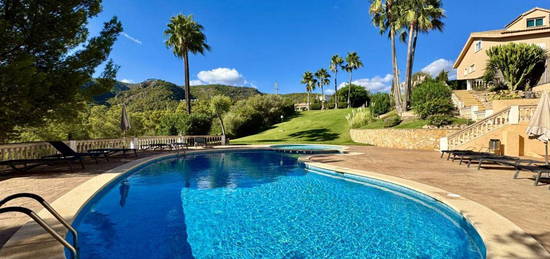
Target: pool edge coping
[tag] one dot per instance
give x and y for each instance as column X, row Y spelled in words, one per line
column 489, row 224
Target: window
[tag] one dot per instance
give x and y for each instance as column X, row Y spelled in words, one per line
column 472, row 68
column 478, row 46
column 535, row 22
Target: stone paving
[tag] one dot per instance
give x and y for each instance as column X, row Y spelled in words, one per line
column 518, row 200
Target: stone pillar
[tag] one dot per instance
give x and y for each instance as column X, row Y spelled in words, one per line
column 443, row 143
column 513, row 116
column 72, row 144
column 469, row 84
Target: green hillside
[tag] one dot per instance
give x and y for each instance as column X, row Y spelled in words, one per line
column 329, row 127
column 205, row 92
column 155, row 94
column 152, row 94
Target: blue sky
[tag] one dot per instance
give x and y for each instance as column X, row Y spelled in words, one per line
column 257, row 43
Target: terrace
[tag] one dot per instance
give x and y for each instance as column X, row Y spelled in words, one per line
column 516, row 200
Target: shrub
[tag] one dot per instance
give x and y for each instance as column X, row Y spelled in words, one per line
column 172, row 123
column 380, row 103
column 359, row 96
column 197, row 124
column 440, row 120
column 359, row 118
column 315, row 106
column 256, row 113
column 392, row 121
column 519, row 65
column 431, row 98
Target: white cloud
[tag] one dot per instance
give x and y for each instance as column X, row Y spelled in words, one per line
column 222, row 75
column 329, row 91
column 439, row 65
column 131, row 38
column 375, row 84
column 128, row 81
column 196, row 82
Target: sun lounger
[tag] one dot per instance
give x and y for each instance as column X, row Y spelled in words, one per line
column 537, row 169
column 24, row 165
column 453, row 151
column 200, row 142
column 67, row 152
column 179, row 146
column 157, row 146
column 112, row 151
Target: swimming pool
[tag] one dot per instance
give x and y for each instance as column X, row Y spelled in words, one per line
column 251, row 204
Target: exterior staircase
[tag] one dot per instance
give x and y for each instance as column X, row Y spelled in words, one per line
column 465, row 138
column 471, row 104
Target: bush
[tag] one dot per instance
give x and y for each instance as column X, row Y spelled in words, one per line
column 172, row 123
column 432, row 98
column 359, row 118
column 256, row 113
column 380, row 103
column 359, row 96
column 315, row 106
column 392, row 121
column 440, row 120
column 197, row 124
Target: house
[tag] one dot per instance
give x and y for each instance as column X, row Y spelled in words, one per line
column 531, row 27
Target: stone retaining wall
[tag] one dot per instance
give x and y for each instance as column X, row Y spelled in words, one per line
column 426, row 139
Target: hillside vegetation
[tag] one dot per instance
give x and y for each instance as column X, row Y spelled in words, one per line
column 155, row 94
column 328, row 126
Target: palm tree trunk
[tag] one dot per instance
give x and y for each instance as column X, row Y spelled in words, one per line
column 336, row 90
column 187, row 87
column 323, row 101
column 349, row 88
column 396, row 90
column 221, row 122
column 410, row 53
column 308, row 102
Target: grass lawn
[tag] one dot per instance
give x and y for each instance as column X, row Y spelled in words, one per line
column 328, row 127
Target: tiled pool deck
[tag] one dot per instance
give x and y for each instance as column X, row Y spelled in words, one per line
column 517, row 200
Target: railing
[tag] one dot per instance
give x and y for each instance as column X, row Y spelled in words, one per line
column 35, row 150
column 498, row 120
column 72, row 247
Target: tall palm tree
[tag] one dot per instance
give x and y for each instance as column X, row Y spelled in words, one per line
column 386, row 16
column 352, row 63
column 184, row 36
column 336, row 63
column 418, row 16
column 310, row 82
column 323, row 78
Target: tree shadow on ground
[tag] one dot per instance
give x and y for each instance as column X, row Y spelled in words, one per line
column 315, row 135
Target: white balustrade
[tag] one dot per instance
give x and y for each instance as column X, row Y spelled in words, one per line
column 522, row 113
column 34, row 150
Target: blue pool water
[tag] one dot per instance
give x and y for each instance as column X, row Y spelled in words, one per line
column 265, row 204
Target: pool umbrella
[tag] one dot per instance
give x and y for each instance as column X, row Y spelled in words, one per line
column 124, row 122
column 539, row 126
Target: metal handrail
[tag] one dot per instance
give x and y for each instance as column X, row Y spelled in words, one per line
column 72, row 247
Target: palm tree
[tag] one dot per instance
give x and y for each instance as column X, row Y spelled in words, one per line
column 336, row 63
column 385, row 16
column 184, row 36
column 310, row 82
column 352, row 63
column 322, row 80
column 418, row 16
